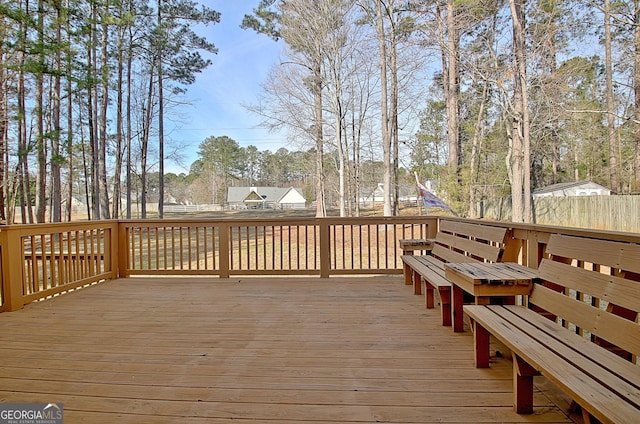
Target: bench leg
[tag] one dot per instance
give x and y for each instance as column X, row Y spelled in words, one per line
column 429, row 301
column 415, row 277
column 458, row 302
column 481, row 339
column 407, row 274
column 522, row 385
column 445, row 305
column 417, row 284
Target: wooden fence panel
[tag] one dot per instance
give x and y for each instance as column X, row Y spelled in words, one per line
column 615, row 213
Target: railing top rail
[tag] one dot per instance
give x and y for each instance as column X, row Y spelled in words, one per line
column 552, row 229
column 285, row 220
column 27, row 229
column 56, row 227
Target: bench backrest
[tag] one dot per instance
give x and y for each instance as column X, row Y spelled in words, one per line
column 593, row 287
column 465, row 242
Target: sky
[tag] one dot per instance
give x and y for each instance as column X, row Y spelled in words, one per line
column 234, row 78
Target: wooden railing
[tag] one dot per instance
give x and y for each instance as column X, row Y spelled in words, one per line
column 324, row 247
column 40, row 261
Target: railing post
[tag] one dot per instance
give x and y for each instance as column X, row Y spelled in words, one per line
column 325, row 248
column 123, row 249
column 113, row 247
column 223, row 249
column 12, row 266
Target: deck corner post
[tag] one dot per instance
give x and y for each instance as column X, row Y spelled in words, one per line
column 12, row 278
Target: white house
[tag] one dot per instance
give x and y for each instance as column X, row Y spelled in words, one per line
column 265, row 197
column 579, row 188
column 407, row 194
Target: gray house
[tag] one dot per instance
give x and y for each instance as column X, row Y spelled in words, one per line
column 265, row 197
column 579, row 188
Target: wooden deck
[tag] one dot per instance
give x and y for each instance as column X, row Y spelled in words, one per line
column 287, row 350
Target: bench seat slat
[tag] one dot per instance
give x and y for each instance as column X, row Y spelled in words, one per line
column 613, row 363
column 565, row 367
column 432, row 262
column 427, row 270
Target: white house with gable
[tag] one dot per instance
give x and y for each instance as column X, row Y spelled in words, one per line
column 265, row 197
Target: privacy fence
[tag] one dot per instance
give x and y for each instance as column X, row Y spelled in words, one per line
column 616, row 213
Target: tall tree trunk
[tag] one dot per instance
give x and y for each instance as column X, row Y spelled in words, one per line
column 92, row 108
column 355, row 146
column 551, row 58
column 117, row 173
column 521, row 160
column 393, row 68
column 160, row 119
column 146, row 130
column 452, row 90
column 88, row 170
column 69, row 148
column 41, row 147
column 23, row 181
column 56, row 157
column 129, row 119
column 70, row 127
column 342, row 155
column 102, row 158
column 636, row 91
column 321, row 210
column 384, row 100
column 4, row 132
column 476, row 149
column 614, row 180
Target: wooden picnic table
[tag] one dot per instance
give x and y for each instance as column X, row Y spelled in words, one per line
column 486, row 280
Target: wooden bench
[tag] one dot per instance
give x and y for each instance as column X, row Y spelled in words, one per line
column 580, row 329
column 454, row 242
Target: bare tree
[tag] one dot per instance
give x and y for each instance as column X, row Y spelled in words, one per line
column 611, row 112
column 521, row 138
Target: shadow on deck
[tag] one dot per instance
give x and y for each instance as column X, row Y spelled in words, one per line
column 288, row 350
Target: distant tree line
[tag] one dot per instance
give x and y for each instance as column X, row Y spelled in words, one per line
column 223, row 163
column 510, row 94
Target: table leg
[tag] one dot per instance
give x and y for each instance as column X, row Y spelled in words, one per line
column 483, row 300
column 458, row 302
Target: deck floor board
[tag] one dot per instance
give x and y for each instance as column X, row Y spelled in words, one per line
column 290, row 350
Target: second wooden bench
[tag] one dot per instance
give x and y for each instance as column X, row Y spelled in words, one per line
column 454, row 242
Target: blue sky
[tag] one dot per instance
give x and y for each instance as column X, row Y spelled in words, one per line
column 235, row 77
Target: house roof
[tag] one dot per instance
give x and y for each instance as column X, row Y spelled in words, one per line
column 567, row 186
column 268, row 194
